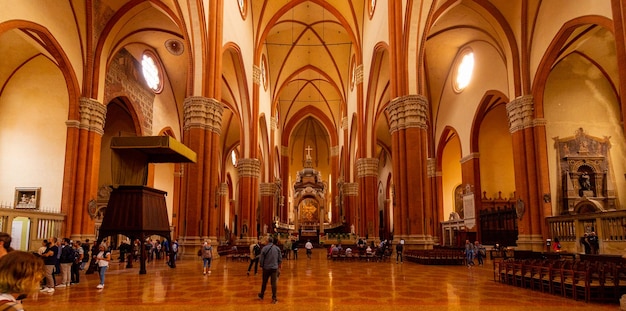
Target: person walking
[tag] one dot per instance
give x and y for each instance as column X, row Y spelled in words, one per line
column 271, row 260
column 399, row 250
column 479, row 252
column 207, row 257
column 255, row 251
column 309, row 248
column 469, row 253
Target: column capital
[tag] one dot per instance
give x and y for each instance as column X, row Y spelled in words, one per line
column 92, row 115
column 256, row 74
column 284, row 151
column 223, row 189
column 273, row 123
column 431, row 167
column 473, row 155
column 409, row 111
column 268, row 189
column 203, row 112
column 344, row 123
column 334, row 151
column 249, row 168
column 358, row 74
column 351, row 189
column 367, row 167
column 520, row 112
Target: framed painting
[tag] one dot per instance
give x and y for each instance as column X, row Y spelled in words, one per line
column 27, row 198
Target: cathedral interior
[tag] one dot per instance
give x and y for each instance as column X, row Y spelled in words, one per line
column 430, row 121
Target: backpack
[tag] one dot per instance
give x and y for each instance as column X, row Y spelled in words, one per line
column 67, row 254
column 256, row 249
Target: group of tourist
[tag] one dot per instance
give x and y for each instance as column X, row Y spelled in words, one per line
column 68, row 258
column 23, row 273
column 474, row 250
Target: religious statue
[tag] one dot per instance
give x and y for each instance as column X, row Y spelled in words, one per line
column 585, row 183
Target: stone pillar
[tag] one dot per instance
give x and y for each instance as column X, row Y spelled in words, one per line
column 367, row 174
column 249, row 173
column 198, row 206
column 80, row 183
column 413, row 217
column 528, row 182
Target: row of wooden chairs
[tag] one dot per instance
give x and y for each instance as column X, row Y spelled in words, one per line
column 436, row 256
column 588, row 280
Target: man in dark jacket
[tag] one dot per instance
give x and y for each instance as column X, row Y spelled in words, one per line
column 270, row 260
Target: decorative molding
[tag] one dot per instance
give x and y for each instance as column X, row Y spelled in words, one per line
column 407, row 112
column 92, row 115
column 268, row 189
column 431, row 167
column 284, row 151
column 367, row 167
column 351, row 189
column 249, row 168
column 520, row 112
column 334, row 151
column 344, row 123
column 256, row 74
column 273, row 123
column 358, row 74
column 202, row 112
column 473, row 155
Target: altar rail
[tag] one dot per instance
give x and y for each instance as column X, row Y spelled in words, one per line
column 42, row 224
column 609, row 226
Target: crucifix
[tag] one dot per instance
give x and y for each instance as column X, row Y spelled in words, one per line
column 308, row 152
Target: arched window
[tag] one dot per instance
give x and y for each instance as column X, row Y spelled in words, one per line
column 151, row 70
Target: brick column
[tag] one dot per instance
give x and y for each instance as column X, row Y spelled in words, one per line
column 353, row 215
column 527, row 172
column 367, row 174
column 198, row 206
column 413, row 215
column 268, row 205
column 249, row 173
column 80, row 182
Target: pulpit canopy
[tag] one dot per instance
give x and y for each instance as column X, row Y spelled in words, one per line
column 132, row 154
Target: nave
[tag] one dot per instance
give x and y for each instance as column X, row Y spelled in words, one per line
column 315, row 284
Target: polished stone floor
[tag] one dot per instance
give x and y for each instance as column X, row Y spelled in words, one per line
column 315, row 284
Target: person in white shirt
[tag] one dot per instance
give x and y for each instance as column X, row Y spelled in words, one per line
column 309, row 248
column 102, row 260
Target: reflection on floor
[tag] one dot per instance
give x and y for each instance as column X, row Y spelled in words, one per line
column 315, row 284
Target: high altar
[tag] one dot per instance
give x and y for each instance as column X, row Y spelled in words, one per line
column 309, row 201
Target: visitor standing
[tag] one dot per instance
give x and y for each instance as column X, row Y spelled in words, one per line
column 102, row 259
column 255, row 251
column 207, row 257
